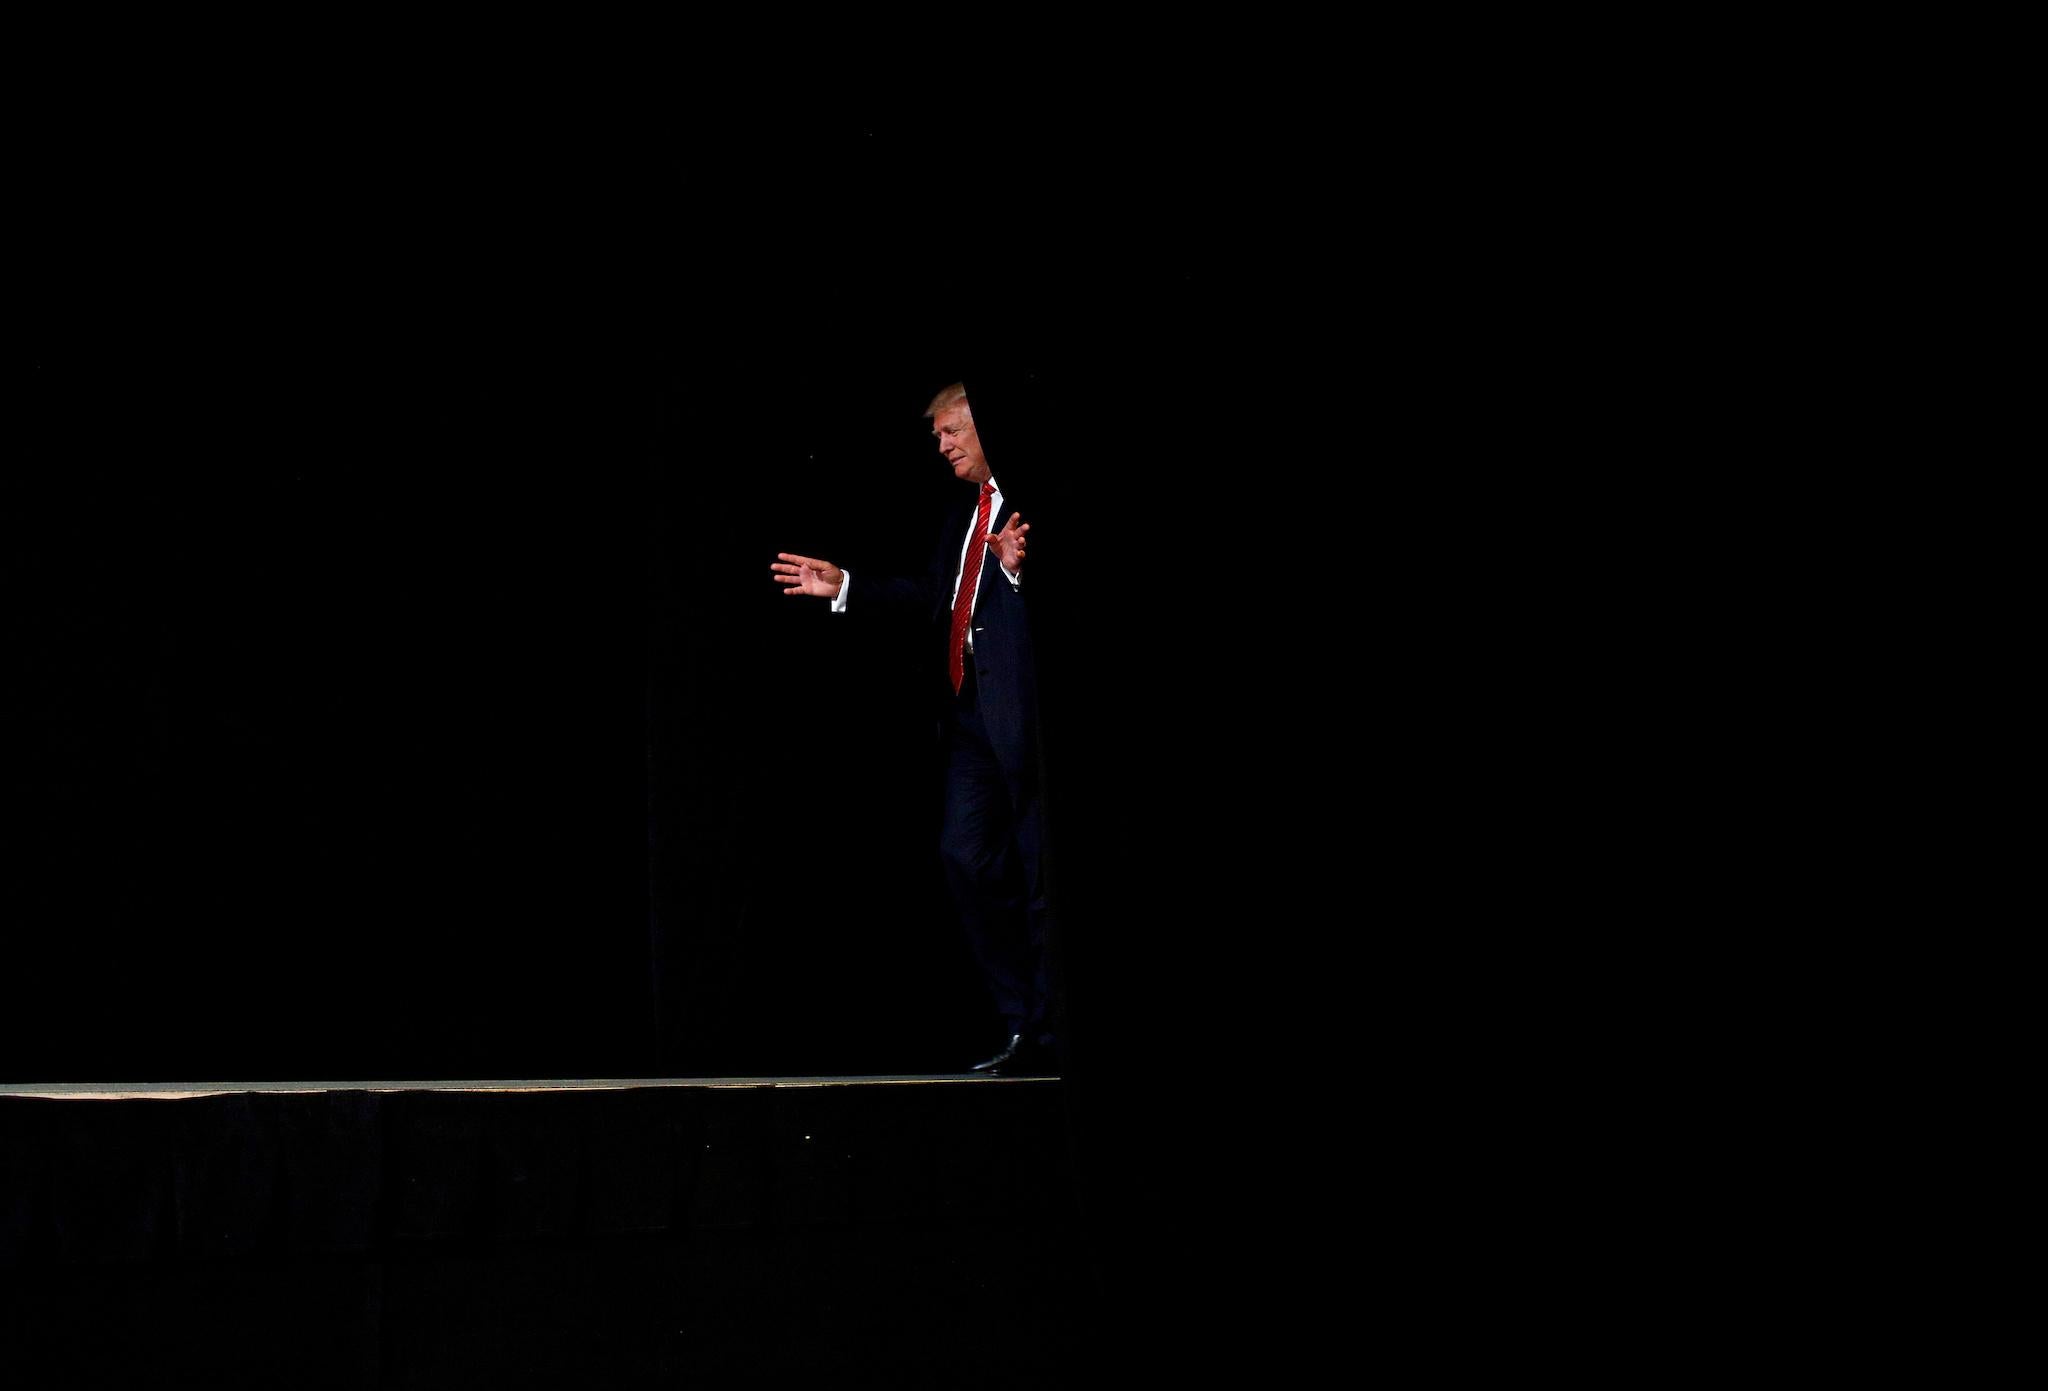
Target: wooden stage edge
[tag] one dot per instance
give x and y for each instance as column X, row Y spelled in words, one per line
column 185, row 1091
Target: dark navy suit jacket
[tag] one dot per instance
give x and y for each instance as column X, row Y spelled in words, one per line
column 1005, row 669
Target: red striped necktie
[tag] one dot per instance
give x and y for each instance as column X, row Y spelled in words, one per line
column 963, row 598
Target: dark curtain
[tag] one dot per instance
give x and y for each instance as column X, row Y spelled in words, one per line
column 396, row 685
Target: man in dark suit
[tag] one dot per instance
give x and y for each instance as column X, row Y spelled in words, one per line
column 992, row 839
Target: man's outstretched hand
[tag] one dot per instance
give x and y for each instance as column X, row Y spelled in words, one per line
column 1008, row 544
column 799, row 574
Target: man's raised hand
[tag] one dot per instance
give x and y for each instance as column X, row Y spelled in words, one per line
column 1008, row 544
column 799, row 574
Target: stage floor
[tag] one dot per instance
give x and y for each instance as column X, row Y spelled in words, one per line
column 172, row 1091
column 492, row 1232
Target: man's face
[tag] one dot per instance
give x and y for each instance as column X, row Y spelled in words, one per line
column 953, row 428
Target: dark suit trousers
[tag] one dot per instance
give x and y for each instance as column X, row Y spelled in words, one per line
column 990, row 843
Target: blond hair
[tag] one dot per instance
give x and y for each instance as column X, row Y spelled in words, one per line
column 954, row 395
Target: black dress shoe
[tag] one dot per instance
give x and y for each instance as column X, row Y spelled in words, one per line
column 1020, row 1057
column 993, row 1065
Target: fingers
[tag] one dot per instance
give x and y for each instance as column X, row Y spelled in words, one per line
column 1013, row 533
column 801, row 569
column 803, row 574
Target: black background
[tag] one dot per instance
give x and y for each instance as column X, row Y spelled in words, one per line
column 395, row 686
column 398, row 688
